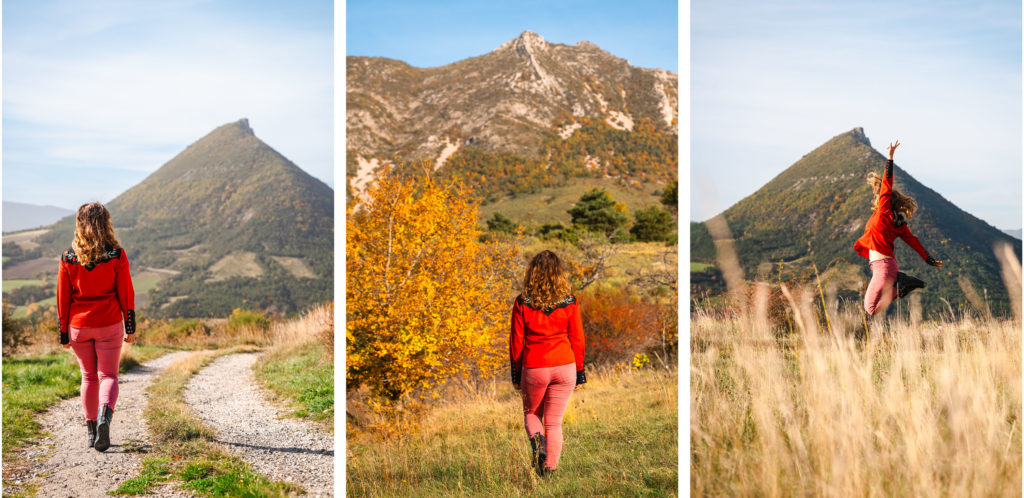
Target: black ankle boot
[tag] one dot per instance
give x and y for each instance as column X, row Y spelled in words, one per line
column 91, row 425
column 906, row 283
column 103, row 428
column 540, row 452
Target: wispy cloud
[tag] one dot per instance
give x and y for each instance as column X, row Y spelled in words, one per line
column 123, row 86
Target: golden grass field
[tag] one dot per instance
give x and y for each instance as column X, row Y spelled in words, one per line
column 620, row 440
column 931, row 409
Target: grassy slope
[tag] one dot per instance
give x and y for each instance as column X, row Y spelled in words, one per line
column 33, row 384
column 620, row 440
column 9, row 285
column 550, row 206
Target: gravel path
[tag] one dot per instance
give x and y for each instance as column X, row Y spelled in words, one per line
column 225, row 397
column 62, row 465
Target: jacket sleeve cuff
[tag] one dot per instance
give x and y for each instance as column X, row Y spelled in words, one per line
column 65, row 338
column 516, row 372
column 129, row 322
column 581, row 377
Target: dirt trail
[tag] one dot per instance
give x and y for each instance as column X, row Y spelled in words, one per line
column 62, row 464
column 225, row 397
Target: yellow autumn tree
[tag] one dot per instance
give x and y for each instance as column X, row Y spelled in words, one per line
column 424, row 295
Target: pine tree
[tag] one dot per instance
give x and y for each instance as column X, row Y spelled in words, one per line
column 597, row 211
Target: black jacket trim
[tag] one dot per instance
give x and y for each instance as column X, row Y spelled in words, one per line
column 524, row 300
column 65, row 338
column 516, row 372
column 581, row 377
column 70, row 257
column 129, row 322
column 888, row 169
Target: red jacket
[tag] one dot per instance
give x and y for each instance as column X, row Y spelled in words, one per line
column 885, row 226
column 550, row 338
column 95, row 297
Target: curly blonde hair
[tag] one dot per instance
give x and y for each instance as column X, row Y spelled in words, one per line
column 546, row 283
column 901, row 203
column 94, row 233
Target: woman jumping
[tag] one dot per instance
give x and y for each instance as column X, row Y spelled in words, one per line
column 546, row 349
column 889, row 221
column 96, row 308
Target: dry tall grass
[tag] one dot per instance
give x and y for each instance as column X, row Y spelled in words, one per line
column 926, row 410
column 316, row 325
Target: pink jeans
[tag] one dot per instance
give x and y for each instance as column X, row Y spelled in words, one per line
column 99, row 352
column 880, row 290
column 546, row 394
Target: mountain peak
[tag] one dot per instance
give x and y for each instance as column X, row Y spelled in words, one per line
column 858, row 135
column 529, row 36
column 526, row 43
column 243, row 124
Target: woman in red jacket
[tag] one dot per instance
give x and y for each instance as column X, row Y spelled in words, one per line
column 96, row 308
column 889, row 222
column 546, row 352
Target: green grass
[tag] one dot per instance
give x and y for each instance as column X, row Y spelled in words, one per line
column 9, row 285
column 143, row 285
column 185, row 449
column 154, row 471
column 620, row 440
column 303, row 376
column 699, row 266
column 33, row 384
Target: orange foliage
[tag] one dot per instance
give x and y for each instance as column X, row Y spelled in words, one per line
column 424, row 298
column 619, row 324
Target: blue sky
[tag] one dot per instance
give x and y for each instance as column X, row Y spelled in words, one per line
column 771, row 80
column 429, row 34
column 97, row 95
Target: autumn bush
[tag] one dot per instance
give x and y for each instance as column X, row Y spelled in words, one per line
column 426, row 301
column 620, row 324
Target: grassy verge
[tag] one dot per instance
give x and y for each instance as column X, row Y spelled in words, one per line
column 299, row 366
column 303, row 376
column 33, row 384
column 185, row 450
column 620, row 440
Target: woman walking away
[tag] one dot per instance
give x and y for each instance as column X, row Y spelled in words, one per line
column 889, row 221
column 546, row 349
column 96, row 308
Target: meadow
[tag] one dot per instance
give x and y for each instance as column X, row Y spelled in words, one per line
column 620, row 440
column 805, row 407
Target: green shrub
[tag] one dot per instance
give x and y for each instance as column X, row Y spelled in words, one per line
column 247, row 318
column 652, row 224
